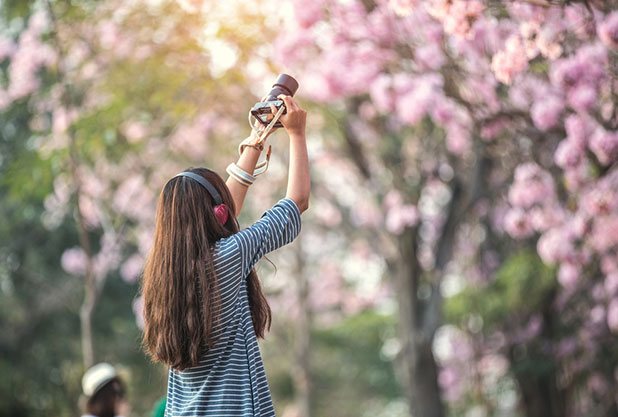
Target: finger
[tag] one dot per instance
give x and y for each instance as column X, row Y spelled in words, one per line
column 273, row 109
column 289, row 102
column 294, row 103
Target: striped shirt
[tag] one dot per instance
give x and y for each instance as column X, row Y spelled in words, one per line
column 230, row 380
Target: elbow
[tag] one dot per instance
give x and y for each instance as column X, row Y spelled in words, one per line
column 304, row 205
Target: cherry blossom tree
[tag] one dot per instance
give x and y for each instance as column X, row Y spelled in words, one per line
column 464, row 113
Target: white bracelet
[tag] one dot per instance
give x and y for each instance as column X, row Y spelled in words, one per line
column 240, row 174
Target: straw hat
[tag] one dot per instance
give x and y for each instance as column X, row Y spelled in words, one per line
column 96, row 377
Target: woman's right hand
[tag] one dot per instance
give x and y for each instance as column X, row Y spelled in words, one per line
column 295, row 118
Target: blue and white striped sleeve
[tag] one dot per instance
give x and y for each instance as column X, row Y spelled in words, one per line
column 277, row 227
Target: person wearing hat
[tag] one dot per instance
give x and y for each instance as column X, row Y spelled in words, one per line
column 105, row 392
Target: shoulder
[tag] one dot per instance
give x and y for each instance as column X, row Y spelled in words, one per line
column 285, row 211
column 225, row 247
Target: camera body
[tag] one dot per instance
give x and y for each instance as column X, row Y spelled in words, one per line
column 286, row 85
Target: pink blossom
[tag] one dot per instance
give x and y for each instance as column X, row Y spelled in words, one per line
column 609, row 264
column 546, row 112
column 546, row 43
column 532, row 185
column 400, row 217
column 38, row 22
column 600, row 201
column 327, row 213
column 429, row 57
column 63, row 118
column 555, row 245
column 449, row 381
column 363, row 64
column 577, row 17
column 604, row 145
column 366, row 214
column 443, row 110
column 109, row 256
column 586, row 66
column 568, row 274
column 491, row 130
column 495, row 364
column 416, row 96
column 382, row 27
column 134, row 131
column 577, row 225
column 131, row 197
column 191, row 140
column 608, row 31
column 403, row 7
column 457, row 16
column 381, row 94
column 89, row 210
column 612, row 315
column 29, row 57
column 457, row 138
column 307, row 13
column 517, row 224
column 74, row 261
column 582, row 97
column 7, row 47
column 597, row 314
column 329, row 291
column 481, row 91
column 412, row 107
column 569, row 154
column 578, row 129
column 527, row 90
column 575, row 177
column 611, row 283
column 511, row 61
column 604, row 235
column 543, row 218
column 526, row 11
column 132, row 268
column 293, row 48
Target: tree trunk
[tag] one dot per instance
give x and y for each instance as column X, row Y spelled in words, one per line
column 417, row 322
column 540, row 394
column 85, row 317
column 302, row 373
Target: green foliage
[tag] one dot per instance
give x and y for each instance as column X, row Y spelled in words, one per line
column 349, row 368
column 520, row 287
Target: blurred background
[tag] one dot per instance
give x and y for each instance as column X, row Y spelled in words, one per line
column 460, row 256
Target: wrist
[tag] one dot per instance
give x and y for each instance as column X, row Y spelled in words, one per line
column 296, row 134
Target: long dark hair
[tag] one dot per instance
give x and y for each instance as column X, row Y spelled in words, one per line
column 103, row 402
column 179, row 286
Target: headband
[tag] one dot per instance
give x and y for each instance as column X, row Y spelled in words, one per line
column 221, row 210
column 205, row 183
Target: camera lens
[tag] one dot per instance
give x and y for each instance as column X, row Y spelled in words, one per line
column 285, row 84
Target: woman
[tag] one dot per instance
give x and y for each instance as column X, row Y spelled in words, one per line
column 203, row 304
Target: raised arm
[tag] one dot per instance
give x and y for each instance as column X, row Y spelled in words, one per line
column 299, row 184
column 299, row 180
column 246, row 162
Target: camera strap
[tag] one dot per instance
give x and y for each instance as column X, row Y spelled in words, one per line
column 258, row 143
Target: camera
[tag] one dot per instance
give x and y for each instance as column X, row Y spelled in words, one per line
column 284, row 84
